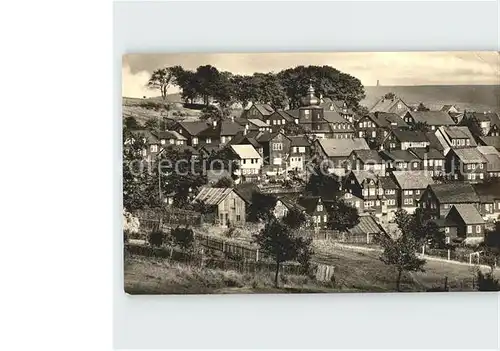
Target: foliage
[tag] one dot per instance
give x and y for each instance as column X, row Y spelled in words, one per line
column 152, row 124
column 224, row 182
column 161, row 79
column 491, row 246
column 278, row 241
column 471, row 122
column 294, row 218
column 326, row 80
column 262, row 207
column 156, row 238
column 183, row 238
column 487, row 282
column 322, row 183
column 419, row 226
column 421, row 127
column 401, row 253
column 131, row 123
column 341, row 216
column 389, row 96
column 422, row 107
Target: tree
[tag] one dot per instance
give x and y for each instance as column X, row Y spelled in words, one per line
column 206, row 82
column 294, row 218
column 152, row 124
column 161, row 79
column 403, row 220
column 183, row 238
column 422, row 107
column 470, row 121
column 131, row 123
column 156, row 238
column 421, row 127
column 224, row 182
column 321, row 183
column 389, row 96
column 245, row 89
column 491, row 246
column 270, row 90
column 487, row 282
column 341, row 216
column 278, row 241
column 262, row 207
column 326, row 80
column 400, row 253
column 186, row 80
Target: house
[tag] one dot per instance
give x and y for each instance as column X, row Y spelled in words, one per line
column 339, row 106
column 249, row 162
column 339, row 126
column 152, row 143
column 260, row 111
column 405, row 139
column 300, row 151
column 447, row 227
column 278, row 120
column 367, row 227
column 353, row 201
column 257, row 124
column 431, row 159
column 220, row 132
column 434, row 142
column 401, row 160
column 457, row 117
column 455, row 137
column 492, row 157
column 248, row 138
column 393, row 105
column 337, row 151
column 434, row 119
column 377, row 124
column 227, row 206
column 449, row 109
column 171, row 137
column 490, row 141
column 411, row 185
column 366, row 160
column 466, row 164
column 468, row 219
column 284, row 205
column 276, row 147
column 190, row 130
column 366, row 186
column 489, row 197
column 438, row 198
column 390, row 197
column 316, row 210
column 489, row 123
column 246, row 191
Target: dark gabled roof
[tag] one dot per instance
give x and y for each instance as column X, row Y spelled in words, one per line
column 445, row 108
column 170, row 134
column 246, row 190
column 434, row 141
column 293, row 113
column 284, row 115
column 367, row 225
column 487, row 192
column 443, row 222
column 490, row 141
column 387, row 105
column 362, row 175
column 181, row 148
column 290, row 203
column 264, row 109
column 387, row 119
column 266, row 137
column 409, row 135
column 454, row 192
column 195, row 127
column 309, row 203
column 368, row 155
column 230, row 128
column 431, row 154
column 493, row 164
column 469, row 155
column 151, row 138
column 333, row 117
column 487, row 116
column 299, row 140
column 341, row 147
column 468, row 213
column 398, row 155
column 459, row 132
column 212, row 196
column 412, row 179
column 432, row 118
column 388, row 183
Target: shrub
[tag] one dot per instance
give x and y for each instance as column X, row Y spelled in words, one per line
column 156, row 238
column 183, row 237
column 486, row 282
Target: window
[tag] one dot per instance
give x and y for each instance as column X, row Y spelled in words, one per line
column 208, row 140
column 154, row 148
column 415, row 164
column 365, row 192
column 348, row 195
column 162, row 141
column 469, row 229
column 372, row 192
column 195, row 140
column 324, row 218
column 480, row 166
column 274, row 122
column 252, row 161
column 277, row 146
column 478, row 229
column 468, row 142
column 306, row 112
column 446, row 206
column 417, row 192
column 302, row 149
column 238, row 218
column 282, row 121
column 377, row 203
column 481, row 175
column 357, row 204
column 223, row 139
column 319, row 208
column 374, row 134
column 360, row 125
column 431, row 163
column 244, row 161
column 447, row 230
column 473, row 166
column 360, row 134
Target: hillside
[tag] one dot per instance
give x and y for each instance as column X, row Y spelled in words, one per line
column 475, row 97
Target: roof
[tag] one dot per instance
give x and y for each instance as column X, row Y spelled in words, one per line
column 299, row 140
column 230, row 128
column 387, row 183
column 367, row 225
column 398, row 155
column 409, row 135
column 333, row 117
column 258, row 122
column 469, row 155
column 245, row 151
column 170, row 134
column 459, row 132
column 446, row 108
column 488, row 150
column 432, row 118
column 264, row 109
column 246, row 190
column 387, row 119
column 387, row 105
column 429, row 154
column 493, row 164
column 293, row 113
column 413, row 179
column 309, row 203
column 289, row 203
column 212, row 196
column 368, row 155
column 150, row 137
column 342, row 147
column 443, row 222
column 487, row 116
column 180, row 148
column 468, row 213
column 434, row 141
column 490, row 141
column 487, row 192
column 266, row 136
column 454, row 192
column 284, row 115
column 194, row 127
column 362, row 175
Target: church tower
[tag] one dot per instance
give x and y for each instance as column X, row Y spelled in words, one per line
column 311, row 114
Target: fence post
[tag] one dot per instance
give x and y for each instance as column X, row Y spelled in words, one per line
column 367, row 238
column 257, row 255
column 448, row 254
column 223, row 246
column 423, row 250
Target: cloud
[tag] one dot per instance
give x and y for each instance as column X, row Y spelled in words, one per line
column 391, row 68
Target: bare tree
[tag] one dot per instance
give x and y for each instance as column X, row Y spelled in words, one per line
column 161, row 79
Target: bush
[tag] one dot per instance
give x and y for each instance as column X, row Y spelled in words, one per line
column 486, row 282
column 156, row 238
column 183, row 237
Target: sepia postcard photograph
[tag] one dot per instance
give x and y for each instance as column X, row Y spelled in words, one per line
column 300, row 172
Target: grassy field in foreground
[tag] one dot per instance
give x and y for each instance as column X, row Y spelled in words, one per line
column 354, row 272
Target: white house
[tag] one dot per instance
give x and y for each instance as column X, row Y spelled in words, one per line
column 249, row 162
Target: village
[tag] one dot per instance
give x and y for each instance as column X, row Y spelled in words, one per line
column 351, row 175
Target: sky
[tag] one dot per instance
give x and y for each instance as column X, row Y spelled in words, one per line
column 390, row 68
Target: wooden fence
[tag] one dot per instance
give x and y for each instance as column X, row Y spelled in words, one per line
column 230, row 249
column 341, row 237
column 172, row 216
